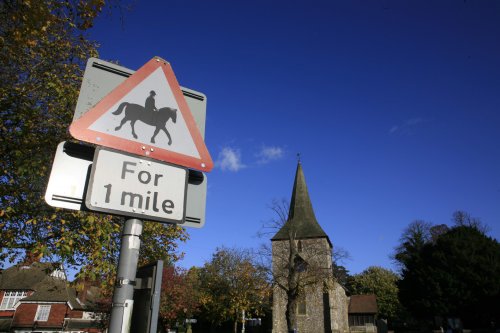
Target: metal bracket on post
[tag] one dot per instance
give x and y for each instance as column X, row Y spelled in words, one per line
column 143, row 283
column 120, row 282
column 120, row 305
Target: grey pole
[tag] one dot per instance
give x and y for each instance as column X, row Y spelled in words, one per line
column 123, row 295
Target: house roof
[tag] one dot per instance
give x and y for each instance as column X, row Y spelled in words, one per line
column 366, row 304
column 22, row 277
column 88, row 299
column 37, row 277
column 55, row 290
column 301, row 218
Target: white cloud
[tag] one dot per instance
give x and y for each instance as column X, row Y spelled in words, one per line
column 407, row 127
column 230, row 159
column 394, row 129
column 268, row 154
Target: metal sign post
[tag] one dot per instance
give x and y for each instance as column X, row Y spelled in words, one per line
column 123, row 295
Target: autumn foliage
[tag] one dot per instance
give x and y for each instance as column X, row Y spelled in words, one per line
column 44, row 46
column 180, row 297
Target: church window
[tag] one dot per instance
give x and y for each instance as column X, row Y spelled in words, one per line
column 302, row 305
column 300, row 264
column 361, row 320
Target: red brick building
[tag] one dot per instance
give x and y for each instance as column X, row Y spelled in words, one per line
column 38, row 298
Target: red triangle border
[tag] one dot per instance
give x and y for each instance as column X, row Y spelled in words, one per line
column 79, row 129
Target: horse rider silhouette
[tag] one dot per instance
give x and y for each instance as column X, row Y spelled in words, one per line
column 150, row 102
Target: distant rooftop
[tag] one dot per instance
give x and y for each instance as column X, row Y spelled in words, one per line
column 48, row 283
column 366, row 304
column 26, row 277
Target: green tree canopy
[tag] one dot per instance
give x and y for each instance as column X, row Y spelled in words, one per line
column 230, row 283
column 454, row 275
column 43, row 49
column 383, row 283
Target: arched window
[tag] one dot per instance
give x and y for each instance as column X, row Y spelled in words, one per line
column 300, row 264
column 302, row 305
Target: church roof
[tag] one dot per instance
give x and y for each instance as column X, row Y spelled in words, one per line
column 301, row 219
column 363, row 304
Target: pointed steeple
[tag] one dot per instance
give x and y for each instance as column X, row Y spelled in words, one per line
column 301, row 219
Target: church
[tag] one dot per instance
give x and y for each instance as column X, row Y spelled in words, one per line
column 305, row 292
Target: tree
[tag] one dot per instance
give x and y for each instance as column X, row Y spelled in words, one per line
column 180, row 295
column 44, row 48
column 340, row 273
column 381, row 282
column 455, row 275
column 232, row 283
column 413, row 239
column 463, row 219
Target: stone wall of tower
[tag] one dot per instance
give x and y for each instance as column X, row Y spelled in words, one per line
column 339, row 307
column 326, row 302
column 279, row 257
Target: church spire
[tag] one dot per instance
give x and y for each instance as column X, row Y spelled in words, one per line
column 301, row 219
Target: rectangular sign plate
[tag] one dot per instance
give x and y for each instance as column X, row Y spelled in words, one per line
column 68, row 177
column 71, row 172
column 137, row 187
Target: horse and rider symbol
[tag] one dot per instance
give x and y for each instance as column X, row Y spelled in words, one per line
column 148, row 114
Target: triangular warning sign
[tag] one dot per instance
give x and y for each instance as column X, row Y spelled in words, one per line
column 147, row 115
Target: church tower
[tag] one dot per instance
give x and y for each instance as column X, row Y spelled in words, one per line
column 305, row 292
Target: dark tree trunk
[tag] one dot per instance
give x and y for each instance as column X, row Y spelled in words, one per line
column 291, row 313
column 293, row 287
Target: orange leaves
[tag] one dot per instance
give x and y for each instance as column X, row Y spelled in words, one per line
column 180, row 297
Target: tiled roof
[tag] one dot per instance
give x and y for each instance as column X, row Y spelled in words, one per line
column 363, row 304
column 37, row 277
column 301, row 219
column 21, row 277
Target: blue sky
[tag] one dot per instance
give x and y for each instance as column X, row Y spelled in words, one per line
column 394, row 107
